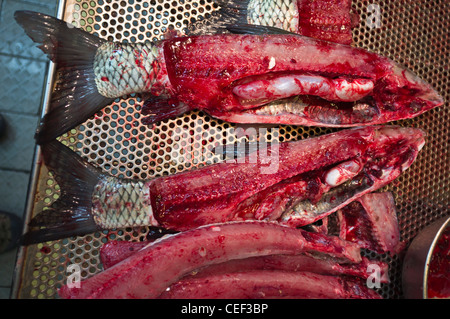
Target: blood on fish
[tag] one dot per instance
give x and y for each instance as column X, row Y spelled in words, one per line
column 371, row 221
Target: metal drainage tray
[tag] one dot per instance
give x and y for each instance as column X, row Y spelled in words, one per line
column 413, row 33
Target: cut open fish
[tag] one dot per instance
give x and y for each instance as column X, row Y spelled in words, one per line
column 242, row 78
column 303, row 181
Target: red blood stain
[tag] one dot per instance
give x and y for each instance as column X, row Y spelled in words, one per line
column 45, row 250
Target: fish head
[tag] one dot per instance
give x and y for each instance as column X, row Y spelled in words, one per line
column 391, row 150
column 401, row 94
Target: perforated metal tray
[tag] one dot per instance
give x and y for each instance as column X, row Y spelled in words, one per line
column 414, row 33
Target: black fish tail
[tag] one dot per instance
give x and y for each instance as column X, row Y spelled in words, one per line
column 228, row 12
column 70, row 214
column 75, row 97
column 233, row 10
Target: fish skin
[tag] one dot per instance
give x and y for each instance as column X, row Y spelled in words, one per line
column 148, row 272
column 122, row 69
column 171, row 70
column 282, row 14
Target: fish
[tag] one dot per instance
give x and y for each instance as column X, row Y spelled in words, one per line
column 269, row 284
column 152, row 269
column 116, row 251
column 293, row 183
column 277, row 78
column 328, row 20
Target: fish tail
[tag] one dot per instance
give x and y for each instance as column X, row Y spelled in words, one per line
column 70, row 215
column 234, row 10
column 75, row 97
column 228, row 13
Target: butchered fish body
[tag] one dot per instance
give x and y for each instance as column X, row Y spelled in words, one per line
column 304, row 181
column 242, row 78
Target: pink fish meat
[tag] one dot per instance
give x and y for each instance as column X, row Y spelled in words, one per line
column 115, row 251
column 269, row 284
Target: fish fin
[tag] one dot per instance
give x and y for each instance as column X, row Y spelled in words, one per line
column 245, row 28
column 75, row 97
column 70, row 214
column 228, row 12
column 159, row 109
column 233, row 10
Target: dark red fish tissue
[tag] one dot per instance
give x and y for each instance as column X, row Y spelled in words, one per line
column 371, row 221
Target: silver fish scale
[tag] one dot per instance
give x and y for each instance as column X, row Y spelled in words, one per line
column 125, row 68
column 281, row 13
column 118, row 203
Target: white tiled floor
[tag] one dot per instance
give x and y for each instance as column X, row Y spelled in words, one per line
column 22, row 76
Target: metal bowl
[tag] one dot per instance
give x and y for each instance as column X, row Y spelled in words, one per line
column 417, row 259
